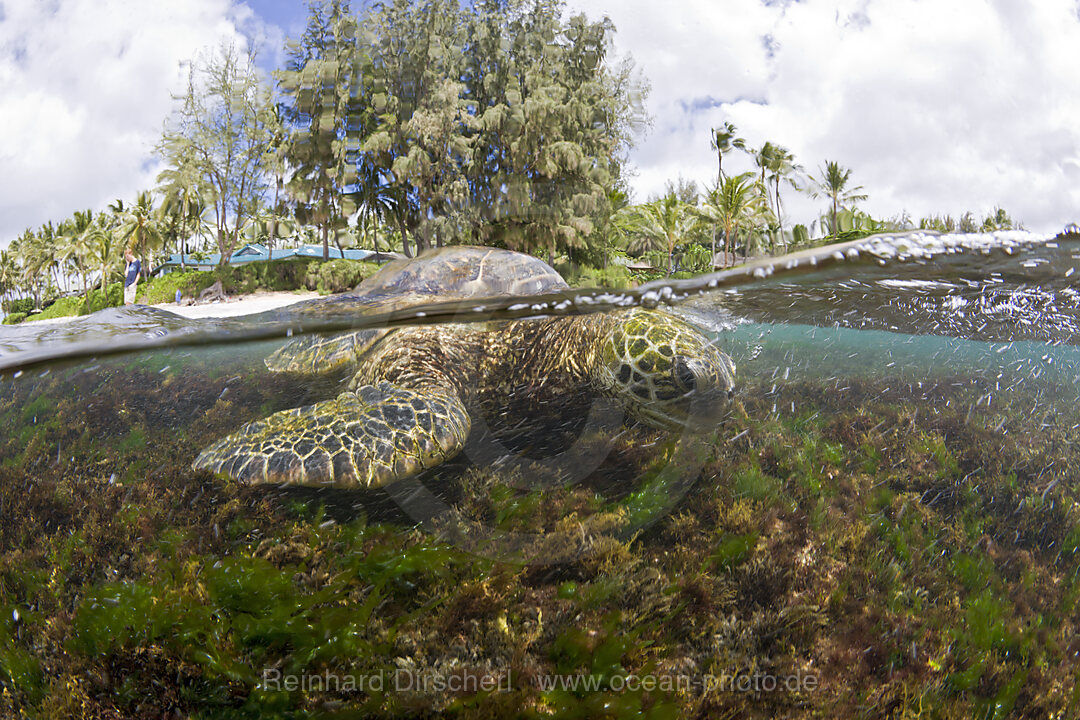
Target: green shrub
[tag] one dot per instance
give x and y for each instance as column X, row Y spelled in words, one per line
column 14, row 318
column 337, row 275
column 112, row 297
column 163, row 288
column 19, row 305
column 62, row 308
column 696, row 259
column 274, row 275
column 657, row 258
column 616, row 277
column 66, row 307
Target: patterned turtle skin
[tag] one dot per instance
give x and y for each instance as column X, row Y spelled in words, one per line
column 409, row 405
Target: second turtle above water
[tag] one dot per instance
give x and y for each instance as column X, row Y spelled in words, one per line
column 409, row 406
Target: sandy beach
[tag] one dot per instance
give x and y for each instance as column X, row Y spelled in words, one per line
column 243, row 305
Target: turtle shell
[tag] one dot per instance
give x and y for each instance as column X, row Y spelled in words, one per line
column 451, row 273
column 462, row 272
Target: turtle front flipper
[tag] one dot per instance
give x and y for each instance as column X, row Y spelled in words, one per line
column 367, row 438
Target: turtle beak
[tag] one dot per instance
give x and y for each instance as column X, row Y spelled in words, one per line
column 710, row 381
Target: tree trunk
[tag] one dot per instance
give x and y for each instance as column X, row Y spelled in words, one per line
column 779, row 214
column 183, row 232
column 369, row 226
column 727, row 243
column 404, row 237
column 326, row 241
column 273, row 221
column 270, row 240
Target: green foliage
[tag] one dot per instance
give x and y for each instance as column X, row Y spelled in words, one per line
column 19, row 305
column 337, row 275
column 848, row 220
column 501, row 122
column 284, row 275
column 657, row 227
column 162, row 288
column 276, row 275
column 738, row 203
column 315, row 86
column 14, row 318
column 939, row 223
column 64, row 307
column 97, row 300
column 832, row 182
column 800, row 236
column 615, row 277
column 696, row 259
column 997, row 220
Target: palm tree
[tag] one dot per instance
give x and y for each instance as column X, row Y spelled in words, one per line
column 36, row 258
column 378, row 203
column 102, row 245
column 138, row 227
column 781, row 165
column 723, row 139
column 277, row 148
column 738, row 201
column 183, row 200
column 999, row 220
column 75, row 250
column 833, row 185
column 659, row 225
column 9, row 275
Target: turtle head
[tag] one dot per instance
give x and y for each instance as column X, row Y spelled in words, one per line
column 666, row 371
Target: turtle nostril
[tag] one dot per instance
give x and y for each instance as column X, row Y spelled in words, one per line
column 684, row 377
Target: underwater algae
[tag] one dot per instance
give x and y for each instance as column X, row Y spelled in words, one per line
column 896, row 546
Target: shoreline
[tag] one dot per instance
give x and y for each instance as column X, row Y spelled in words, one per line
column 248, row 304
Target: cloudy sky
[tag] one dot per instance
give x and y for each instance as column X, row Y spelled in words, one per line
column 937, row 106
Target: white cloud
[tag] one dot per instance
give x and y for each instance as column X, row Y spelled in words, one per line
column 937, row 107
column 85, row 86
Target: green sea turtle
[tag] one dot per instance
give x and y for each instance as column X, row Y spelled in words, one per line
column 409, row 405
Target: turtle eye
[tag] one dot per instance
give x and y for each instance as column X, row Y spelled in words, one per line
column 684, row 377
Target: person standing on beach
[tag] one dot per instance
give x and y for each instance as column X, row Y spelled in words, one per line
column 131, row 276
